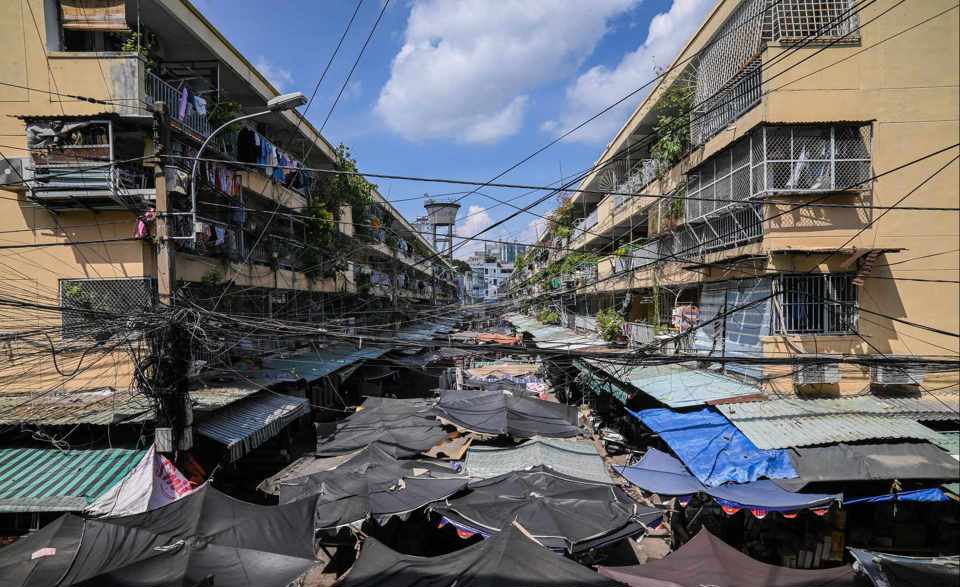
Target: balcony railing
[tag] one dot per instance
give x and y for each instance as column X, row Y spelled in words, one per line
column 585, row 224
column 158, row 90
column 639, row 333
column 642, row 175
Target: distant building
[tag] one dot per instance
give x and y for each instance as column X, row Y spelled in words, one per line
column 493, row 273
column 504, row 252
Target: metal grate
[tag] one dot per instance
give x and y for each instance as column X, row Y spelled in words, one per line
column 820, row 21
column 780, row 159
column 82, row 299
column 823, row 303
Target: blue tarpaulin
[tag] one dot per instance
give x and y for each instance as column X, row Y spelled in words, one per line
column 713, row 449
column 662, row 474
column 929, row 495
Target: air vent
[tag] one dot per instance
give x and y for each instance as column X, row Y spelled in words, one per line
column 896, row 375
column 816, row 374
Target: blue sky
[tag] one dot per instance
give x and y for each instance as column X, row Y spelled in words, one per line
column 465, row 88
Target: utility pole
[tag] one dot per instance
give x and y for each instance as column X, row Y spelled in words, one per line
column 174, row 414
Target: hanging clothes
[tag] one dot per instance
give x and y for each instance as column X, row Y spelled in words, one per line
column 200, row 105
column 184, row 102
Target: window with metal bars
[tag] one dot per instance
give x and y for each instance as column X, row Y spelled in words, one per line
column 91, row 307
column 820, row 303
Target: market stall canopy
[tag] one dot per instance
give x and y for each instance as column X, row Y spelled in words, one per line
column 559, row 511
column 660, row 473
column 204, row 538
column 576, row 458
column 707, row 560
column 546, row 336
column 248, row 423
column 496, row 412
column 510, row 559
column 677, row 386
column 929, row 495
column 869, row 462
column 891, row 570
column 55, row 480
column 402, row 427
column 713, row 449
column 782, row 423
column 41, row 558
column 313, row 366
column 372, row 483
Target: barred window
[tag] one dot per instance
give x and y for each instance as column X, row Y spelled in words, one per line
column 821, row 303
column 82, row 302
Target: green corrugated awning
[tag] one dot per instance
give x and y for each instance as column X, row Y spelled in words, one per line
column 48, row 479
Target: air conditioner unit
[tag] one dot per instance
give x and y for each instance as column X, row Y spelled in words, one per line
column 14, row 174
column 897, row 375
column 817, row 374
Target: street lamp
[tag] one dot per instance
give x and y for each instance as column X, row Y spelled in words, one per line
column 276, row 104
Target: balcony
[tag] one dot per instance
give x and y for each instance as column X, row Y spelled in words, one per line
column 585, row 224
column 157, row 90
column 641, row 175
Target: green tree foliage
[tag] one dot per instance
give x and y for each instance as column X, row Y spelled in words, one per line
column 548, row 316
column 673, row 126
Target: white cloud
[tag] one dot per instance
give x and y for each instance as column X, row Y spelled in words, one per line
column 467, row 67
column 533, row 231
column 476, row 219
column 281, row 78
column 600, row 86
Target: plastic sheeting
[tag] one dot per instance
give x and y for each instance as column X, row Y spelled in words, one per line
column 496, row 412
column 509, row 559
column 707, row 560
column 891, row 570
column 153, row 483
column 933, row 495
column 865, row 462
column 662, row 474
column 713, row 449
column 402, row 427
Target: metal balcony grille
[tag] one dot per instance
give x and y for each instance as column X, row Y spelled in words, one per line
column 641, row 175
column 158, row 90
column 85, row 304
column 824, row 303
column 781, row 159
column 817, row 20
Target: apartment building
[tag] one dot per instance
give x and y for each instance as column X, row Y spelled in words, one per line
column 103, row 108
column 758, row 176
column 490, row 274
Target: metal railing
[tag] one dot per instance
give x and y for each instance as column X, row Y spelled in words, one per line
column 639, row 333
column 161, row 91
column 585, row 224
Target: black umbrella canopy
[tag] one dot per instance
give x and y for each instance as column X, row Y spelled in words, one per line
column 510, row 559
column 497, row 412
column 205, row 538
column 373, row 483
column 40, row 559
column 559, row 511
column 401, row 427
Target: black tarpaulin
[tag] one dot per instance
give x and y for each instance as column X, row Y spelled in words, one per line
column 560, row 511
column 204, row 538
column 41, row 558
column 869, row 461
column 373, row 483
column 509, row 559
column 496, row 412
column 891, row 570
column 707, row 560
column 401, row 427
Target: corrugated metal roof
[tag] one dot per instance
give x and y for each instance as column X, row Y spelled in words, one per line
column 950, row 441
column 248, row 423
column 554, row 337
column 783, row 423
column 313, row 366
column 49, row 479
column 101, row 407
column 677, row 385
column 577, row 458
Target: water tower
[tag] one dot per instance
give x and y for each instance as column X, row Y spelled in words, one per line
column 442, row 217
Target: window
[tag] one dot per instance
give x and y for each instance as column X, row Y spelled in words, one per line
column 824, row 303
column 86, row 304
